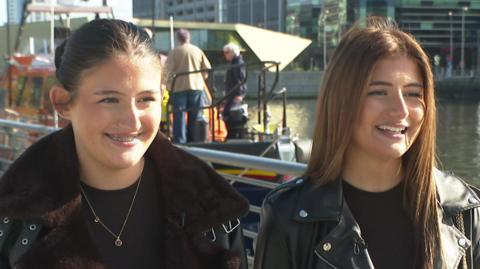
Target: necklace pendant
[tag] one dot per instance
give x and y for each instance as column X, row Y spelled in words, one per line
column 118, row 242
column 96, row 220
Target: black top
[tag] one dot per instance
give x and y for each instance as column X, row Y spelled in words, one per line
column 385, row 225
column 234, row 76
column 142, row 235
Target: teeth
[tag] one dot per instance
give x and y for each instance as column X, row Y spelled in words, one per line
column 123, row 138
column 393, row 129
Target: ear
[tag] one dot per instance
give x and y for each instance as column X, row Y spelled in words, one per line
column 60, row 99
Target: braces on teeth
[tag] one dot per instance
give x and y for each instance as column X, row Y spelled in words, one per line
column 123, row 138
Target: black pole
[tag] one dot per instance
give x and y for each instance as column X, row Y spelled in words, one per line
column 259, row 98
column 8, row 29
column 9, row 53
column 21, row 26
column 153, row 15
column 264, row 101
column 284, row 121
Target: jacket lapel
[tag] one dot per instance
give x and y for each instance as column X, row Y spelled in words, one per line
column 343, row 246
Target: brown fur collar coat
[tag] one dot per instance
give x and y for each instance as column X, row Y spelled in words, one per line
column 43, row 184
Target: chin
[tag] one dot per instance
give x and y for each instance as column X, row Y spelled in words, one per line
column 126, row 162
column 394, row 153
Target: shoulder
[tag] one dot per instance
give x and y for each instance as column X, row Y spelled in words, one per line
column 190, row 48
column 454, row 194
column 284, row 198
column 285, row 190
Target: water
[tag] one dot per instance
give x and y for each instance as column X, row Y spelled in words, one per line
column 458, row 132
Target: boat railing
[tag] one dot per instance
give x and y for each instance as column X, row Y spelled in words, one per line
column 265, row 92
column 16, row 136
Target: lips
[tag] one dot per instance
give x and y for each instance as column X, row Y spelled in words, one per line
column 393, row 129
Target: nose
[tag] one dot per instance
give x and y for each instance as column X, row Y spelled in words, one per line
column 129, row 117
column 399, row 106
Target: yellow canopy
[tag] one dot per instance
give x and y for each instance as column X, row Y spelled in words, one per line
column 272, row 46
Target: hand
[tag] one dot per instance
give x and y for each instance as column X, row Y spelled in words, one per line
column 238, row 99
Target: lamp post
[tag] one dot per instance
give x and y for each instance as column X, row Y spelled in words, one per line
column 462, row 57
column 450, row 57
column 9, row 54
column 325, row 39
column 451, row 34
column 153, row 18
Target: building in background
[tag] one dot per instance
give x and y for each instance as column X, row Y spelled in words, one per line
column 324, row 22
column 268, row 14
column 448, row 30
column 182, row 10
column 15, row 10
column 445, row 28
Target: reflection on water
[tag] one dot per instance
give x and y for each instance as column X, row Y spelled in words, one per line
column 458, row 139
column 458, row 132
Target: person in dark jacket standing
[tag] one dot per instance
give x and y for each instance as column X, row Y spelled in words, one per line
column 235, row 91
column 372, row 196
column 109, row 190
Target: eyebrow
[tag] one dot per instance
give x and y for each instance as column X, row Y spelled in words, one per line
column 113, row 92
column 384, row 83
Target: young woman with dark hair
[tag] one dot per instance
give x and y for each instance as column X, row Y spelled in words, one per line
column 372, row 196
column 109, row 190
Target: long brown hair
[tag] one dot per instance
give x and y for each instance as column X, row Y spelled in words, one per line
column 342, row 94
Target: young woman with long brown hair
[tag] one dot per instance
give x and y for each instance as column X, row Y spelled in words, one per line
column 372, row 196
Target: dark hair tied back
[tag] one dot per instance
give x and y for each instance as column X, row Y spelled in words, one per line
column 98, row 41
column 58, row 55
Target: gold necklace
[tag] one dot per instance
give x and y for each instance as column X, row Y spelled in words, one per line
column 118, row 241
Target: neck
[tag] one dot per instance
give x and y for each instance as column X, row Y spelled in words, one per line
column 105, row 178
column 372, row 174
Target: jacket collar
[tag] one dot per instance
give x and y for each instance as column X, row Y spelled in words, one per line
column 43, row 184
column 323, row 203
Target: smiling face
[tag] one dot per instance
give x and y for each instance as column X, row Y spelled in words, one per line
column 116, row 113
column 393, row 110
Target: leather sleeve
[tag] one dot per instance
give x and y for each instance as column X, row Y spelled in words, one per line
column 474, row 229
column 271, row 250
column 476, row 238
column 4, row 264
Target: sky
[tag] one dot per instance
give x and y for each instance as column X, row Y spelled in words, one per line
column 3, row 11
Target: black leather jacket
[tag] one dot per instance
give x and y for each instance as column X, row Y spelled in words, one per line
column 303, row 227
